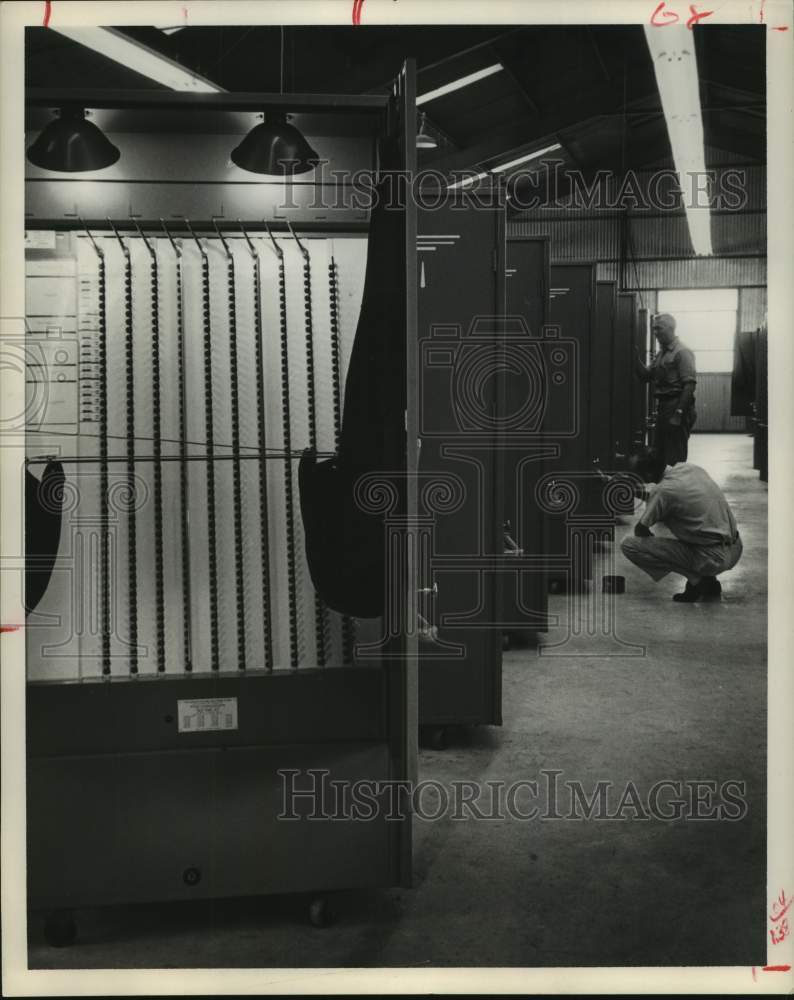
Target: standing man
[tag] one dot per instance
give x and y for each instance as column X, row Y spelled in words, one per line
column 691, row 505
column 673, row 375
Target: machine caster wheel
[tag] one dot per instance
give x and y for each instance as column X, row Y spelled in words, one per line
column 60, row 929
column 319, row 913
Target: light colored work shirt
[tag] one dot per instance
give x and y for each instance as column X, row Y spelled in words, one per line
column 692, row 506
column 672, row 368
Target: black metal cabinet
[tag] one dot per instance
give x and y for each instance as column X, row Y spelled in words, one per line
column 168, row 785
column 527, row 299
column 601, row 374
column 626, row 424
column 461, row 297
column 573, row 291
column 640, row 394
column 527, row 282
column 760, row 442
column 572, row 308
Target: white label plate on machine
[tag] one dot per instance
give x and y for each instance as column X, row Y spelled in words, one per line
column 39, row 239
column 206, row 715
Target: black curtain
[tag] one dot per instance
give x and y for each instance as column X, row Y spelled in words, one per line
column 345, row 545
column 743, row 379
column 43, row 509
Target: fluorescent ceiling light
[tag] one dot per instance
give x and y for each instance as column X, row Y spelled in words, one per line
column 131, row 54
column 673, row 55
column 463, row 81
column 525, row 157
column 467, row 181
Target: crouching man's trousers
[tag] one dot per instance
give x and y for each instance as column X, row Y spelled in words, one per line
column 660, row 556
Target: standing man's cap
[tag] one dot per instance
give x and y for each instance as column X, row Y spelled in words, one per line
column 664, row 320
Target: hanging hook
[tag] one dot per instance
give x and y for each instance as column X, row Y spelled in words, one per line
column 124, row 248
column 221, row 237
column 99, row 252
column 251, row 246
column 301, row 247
column 276, row 247
column 198, row 243
column 176, row 248
column 145, row 239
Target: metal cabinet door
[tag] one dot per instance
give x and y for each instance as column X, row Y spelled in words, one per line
column 639, row 389
column 601, row 369
column 572, row 307
column 527, row 296
column 761, row 456
column 461, row 281
column 572, row 297
column 623, row 379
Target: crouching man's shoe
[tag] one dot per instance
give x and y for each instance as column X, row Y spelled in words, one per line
column 692, row 592
column 710, row 589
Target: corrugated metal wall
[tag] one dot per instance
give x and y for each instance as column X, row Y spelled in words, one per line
column 657, row 253
column 752, row 308
column 660, row 249
column 697, row 272
column 657, row 246
column 713, row 404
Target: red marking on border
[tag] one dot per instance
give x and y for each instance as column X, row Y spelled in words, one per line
column 777, row 968
column 47, row 13
column 670, row 16
column 697, row 16
column 10, row 628
column 357, row 5
column 783, row 27
column 761, row 15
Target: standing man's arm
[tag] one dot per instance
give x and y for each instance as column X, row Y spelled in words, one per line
column 641, row 370
column 685, row 362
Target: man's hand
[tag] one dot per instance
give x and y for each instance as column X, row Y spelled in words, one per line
column 675, row 420
column 641, row 531
column 641, row 369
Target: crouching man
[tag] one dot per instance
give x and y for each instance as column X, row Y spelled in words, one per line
column 694, row 508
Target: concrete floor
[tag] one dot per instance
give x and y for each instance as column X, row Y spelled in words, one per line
column 552, row 892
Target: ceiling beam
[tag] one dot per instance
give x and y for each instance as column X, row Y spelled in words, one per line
column 510, row 59
column 449, row 58
column 534, row 128
column 734, row 140
column 599, row 57
column 181, row 100
column 472, row 48
column 508, row 69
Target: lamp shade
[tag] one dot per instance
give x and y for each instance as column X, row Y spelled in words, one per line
column 423, row 138
column 71, row 143
column 275, row 147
